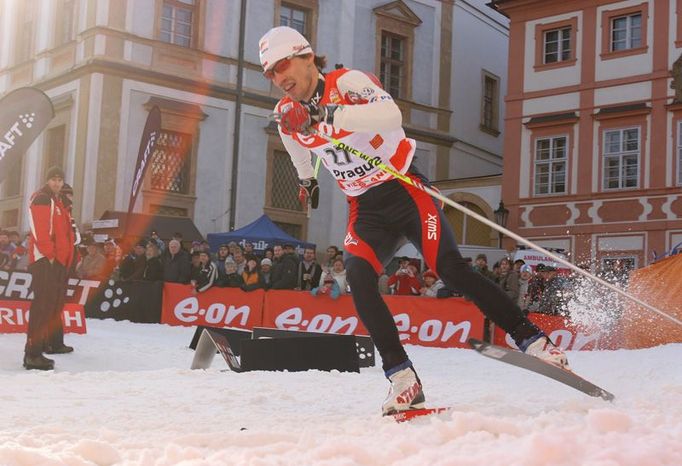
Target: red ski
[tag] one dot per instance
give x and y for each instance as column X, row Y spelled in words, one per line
column 410, row 414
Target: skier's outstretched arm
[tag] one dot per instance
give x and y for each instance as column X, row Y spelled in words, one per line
column 376, row 110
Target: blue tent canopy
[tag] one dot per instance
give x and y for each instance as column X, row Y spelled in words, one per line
column 262, row 232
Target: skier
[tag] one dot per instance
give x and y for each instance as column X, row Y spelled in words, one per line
column 352, row 106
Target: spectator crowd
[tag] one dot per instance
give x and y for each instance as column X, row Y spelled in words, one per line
column 237, row 265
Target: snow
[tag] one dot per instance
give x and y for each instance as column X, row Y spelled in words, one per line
column 127, row 396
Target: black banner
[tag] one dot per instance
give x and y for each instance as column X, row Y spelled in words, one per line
column 16, row 286
column 136, row 301
column 24, row 114
column 150, row 136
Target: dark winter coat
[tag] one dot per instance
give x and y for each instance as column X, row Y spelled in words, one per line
column 133, row 267
column 315, row 271
column 178, row 268
column 284, row 273
column 232, row 280
column 509, row 282
column 153, row 270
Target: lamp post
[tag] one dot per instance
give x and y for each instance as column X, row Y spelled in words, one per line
column 501, row 216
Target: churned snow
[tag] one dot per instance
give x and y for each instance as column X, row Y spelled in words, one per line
column 127, row 396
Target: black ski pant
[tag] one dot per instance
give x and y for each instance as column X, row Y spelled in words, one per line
column 378, row 220
column 45, row 327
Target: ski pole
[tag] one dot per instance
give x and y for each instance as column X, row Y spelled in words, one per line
column 433, row 193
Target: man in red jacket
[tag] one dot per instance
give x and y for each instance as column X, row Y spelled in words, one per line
column 51, row 254
column 405, row 280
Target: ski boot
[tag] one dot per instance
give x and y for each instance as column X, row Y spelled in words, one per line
column 405, row 392
column 543, row 348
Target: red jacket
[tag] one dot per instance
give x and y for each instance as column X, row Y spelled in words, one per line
column 405, row 285
column 51, row 232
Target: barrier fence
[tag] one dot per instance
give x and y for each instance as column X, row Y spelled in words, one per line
column 443, row 323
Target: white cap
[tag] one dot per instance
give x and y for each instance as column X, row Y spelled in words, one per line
column 281, row 42
column 266, row 261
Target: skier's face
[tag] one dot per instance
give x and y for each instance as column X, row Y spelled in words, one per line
column 298, row 79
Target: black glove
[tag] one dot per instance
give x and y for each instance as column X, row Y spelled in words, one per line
column 308, row 189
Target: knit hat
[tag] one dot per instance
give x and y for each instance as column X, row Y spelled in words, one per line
column 266, row 261
column 430, row 273
column 281, row 42
column 54, row 172
column 526, row 268
column 482, row 256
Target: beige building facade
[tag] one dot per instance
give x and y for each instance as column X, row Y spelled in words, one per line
column 105, row 63
column 592, row 156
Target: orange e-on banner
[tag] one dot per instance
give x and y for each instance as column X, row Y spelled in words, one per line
column 216, row 307
column 14, row 316
column 444, row 323
column 659, row 284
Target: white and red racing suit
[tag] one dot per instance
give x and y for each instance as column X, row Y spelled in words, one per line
column 383, row 210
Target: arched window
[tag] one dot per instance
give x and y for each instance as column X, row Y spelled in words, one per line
column 469, row 230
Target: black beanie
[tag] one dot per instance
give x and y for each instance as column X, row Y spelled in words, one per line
column 53, row 172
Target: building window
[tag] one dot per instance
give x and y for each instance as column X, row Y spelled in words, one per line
column 11, row 186
column 65, row 21
column 55, row 147
column 177, row 18
column 626, row 32
column 621, row 158
column 615, row 268
column 10, row 218
column 392, row 65
column 467, row 230
column 24, row 34
column 170, row 164
column 550, row 165
column 295, row 18
column 557, row 45
column 291, row 229
column 168, row 211
column 284, row 194
column 490, row 103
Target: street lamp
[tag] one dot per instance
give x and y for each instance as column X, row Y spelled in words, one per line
column 501, row 216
